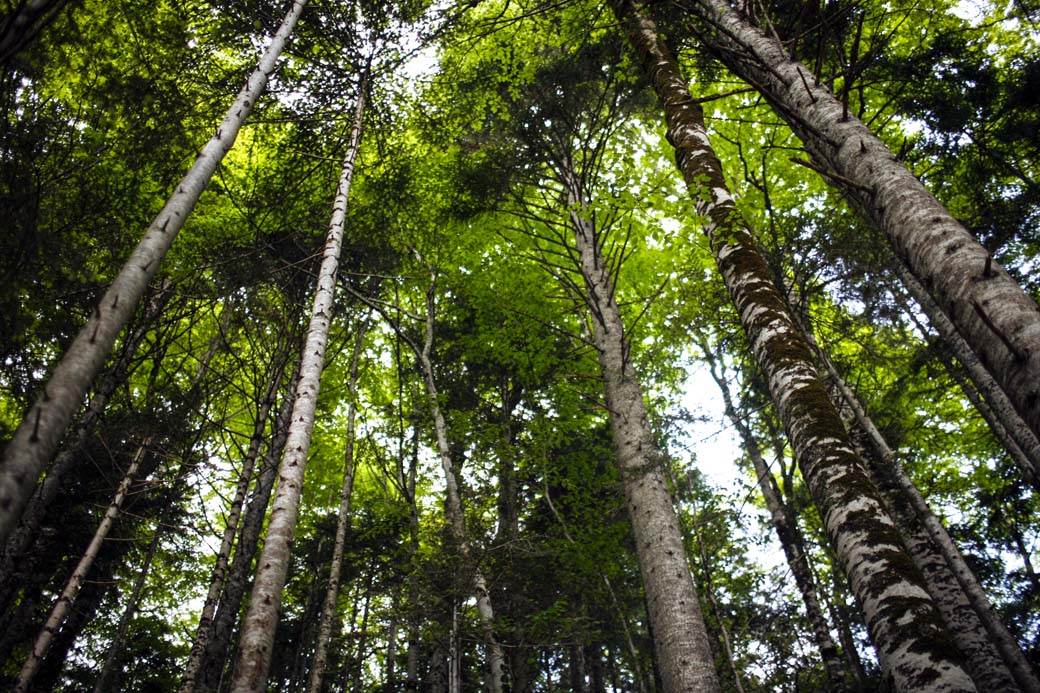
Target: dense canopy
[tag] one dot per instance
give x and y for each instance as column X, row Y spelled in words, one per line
column 518, row 345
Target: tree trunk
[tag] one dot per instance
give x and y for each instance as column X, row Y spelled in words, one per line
column 914, row 653
column 39, row 434
column 993, row 657
column 215, row 657
column 681, row 640
column 390, row 667
column 107, row 679
column 1005, row 423
column 328, row 609
column 453, row 507
column 216, row 584
column 787, row 531
column 68, row 595
column 993, row 314
column 24, row 23
column 258, row 626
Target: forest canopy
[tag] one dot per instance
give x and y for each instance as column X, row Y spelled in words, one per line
column 517, row 345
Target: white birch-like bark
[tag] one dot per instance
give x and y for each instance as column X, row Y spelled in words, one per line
column 39, row 434
column 994, row 657
column 216, row 585
column 72, row 586
column 328, row 609
column 913, row 645
column 453, row 508
column 257, row 638
column 991, row 312
column 1008, row 427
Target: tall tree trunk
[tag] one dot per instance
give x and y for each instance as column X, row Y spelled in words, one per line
column 215, row 657
column 390, row 668
column 681, row 640
column 328, row 609
column 412, row 656
column 453, row 506
column 993, row 314
column 914, row 653
column 68, row 594
column 994, row 658
column 107, row 679
column 1005, row 423
column 216, row 584
column 258, row 626
column 39, row 434
column 785, row 524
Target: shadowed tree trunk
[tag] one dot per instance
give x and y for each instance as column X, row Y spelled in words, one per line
column 39, row 434
column 914, row 653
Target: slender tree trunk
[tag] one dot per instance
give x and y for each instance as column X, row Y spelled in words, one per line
column 786, row 527
column 1005, row 423
column 391, row 645
column 328, row 609
column 215, row 657
column 412, row 656
column 994, row 658
column 359, row 659
column 681, row 640
column 993, row 314
column 68, row 595
column 453, row 507
column 108, row 677
column 258, row 626
column 216, row 584
column 913, row 655
column 39, row 434
column 24, row 23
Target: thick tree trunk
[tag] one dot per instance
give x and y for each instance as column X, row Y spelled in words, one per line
column 328, row 609
column 39, row 434
column 216, row 584
column 913, row 646
column 787, row 531
column 681, row 640
column 215, row 657
column 453, row 507
column 993, row 657
column 68, row 594
column 1005, row 423
column 258, row 626
column 107, row 679
column 991, row 312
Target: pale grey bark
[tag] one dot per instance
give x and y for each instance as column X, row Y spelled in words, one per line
column 453, row 505
column 1008, row 427
column 994, row 659
column 328, row 609
column 993, row 314
column 39, row 434
column 788, row 533
column 216, row 585
column 261, row 619
column 68, row 594
column 913, row 645
column 679, row 635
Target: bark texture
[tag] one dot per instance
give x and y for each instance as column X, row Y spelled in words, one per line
column 914, row 649
column 39, row 434
column 328, row 609
column 993, row 314
column 68, row 594
column 261, row 619
column 679, row 635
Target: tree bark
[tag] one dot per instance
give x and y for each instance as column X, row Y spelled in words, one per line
column 39, row 434
column 258, row 626
column 68, row 594
column 680, row 637
column 785, row 524
column 913, row 646
column 993, row 314
column 216, row 585
column 328, row 609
